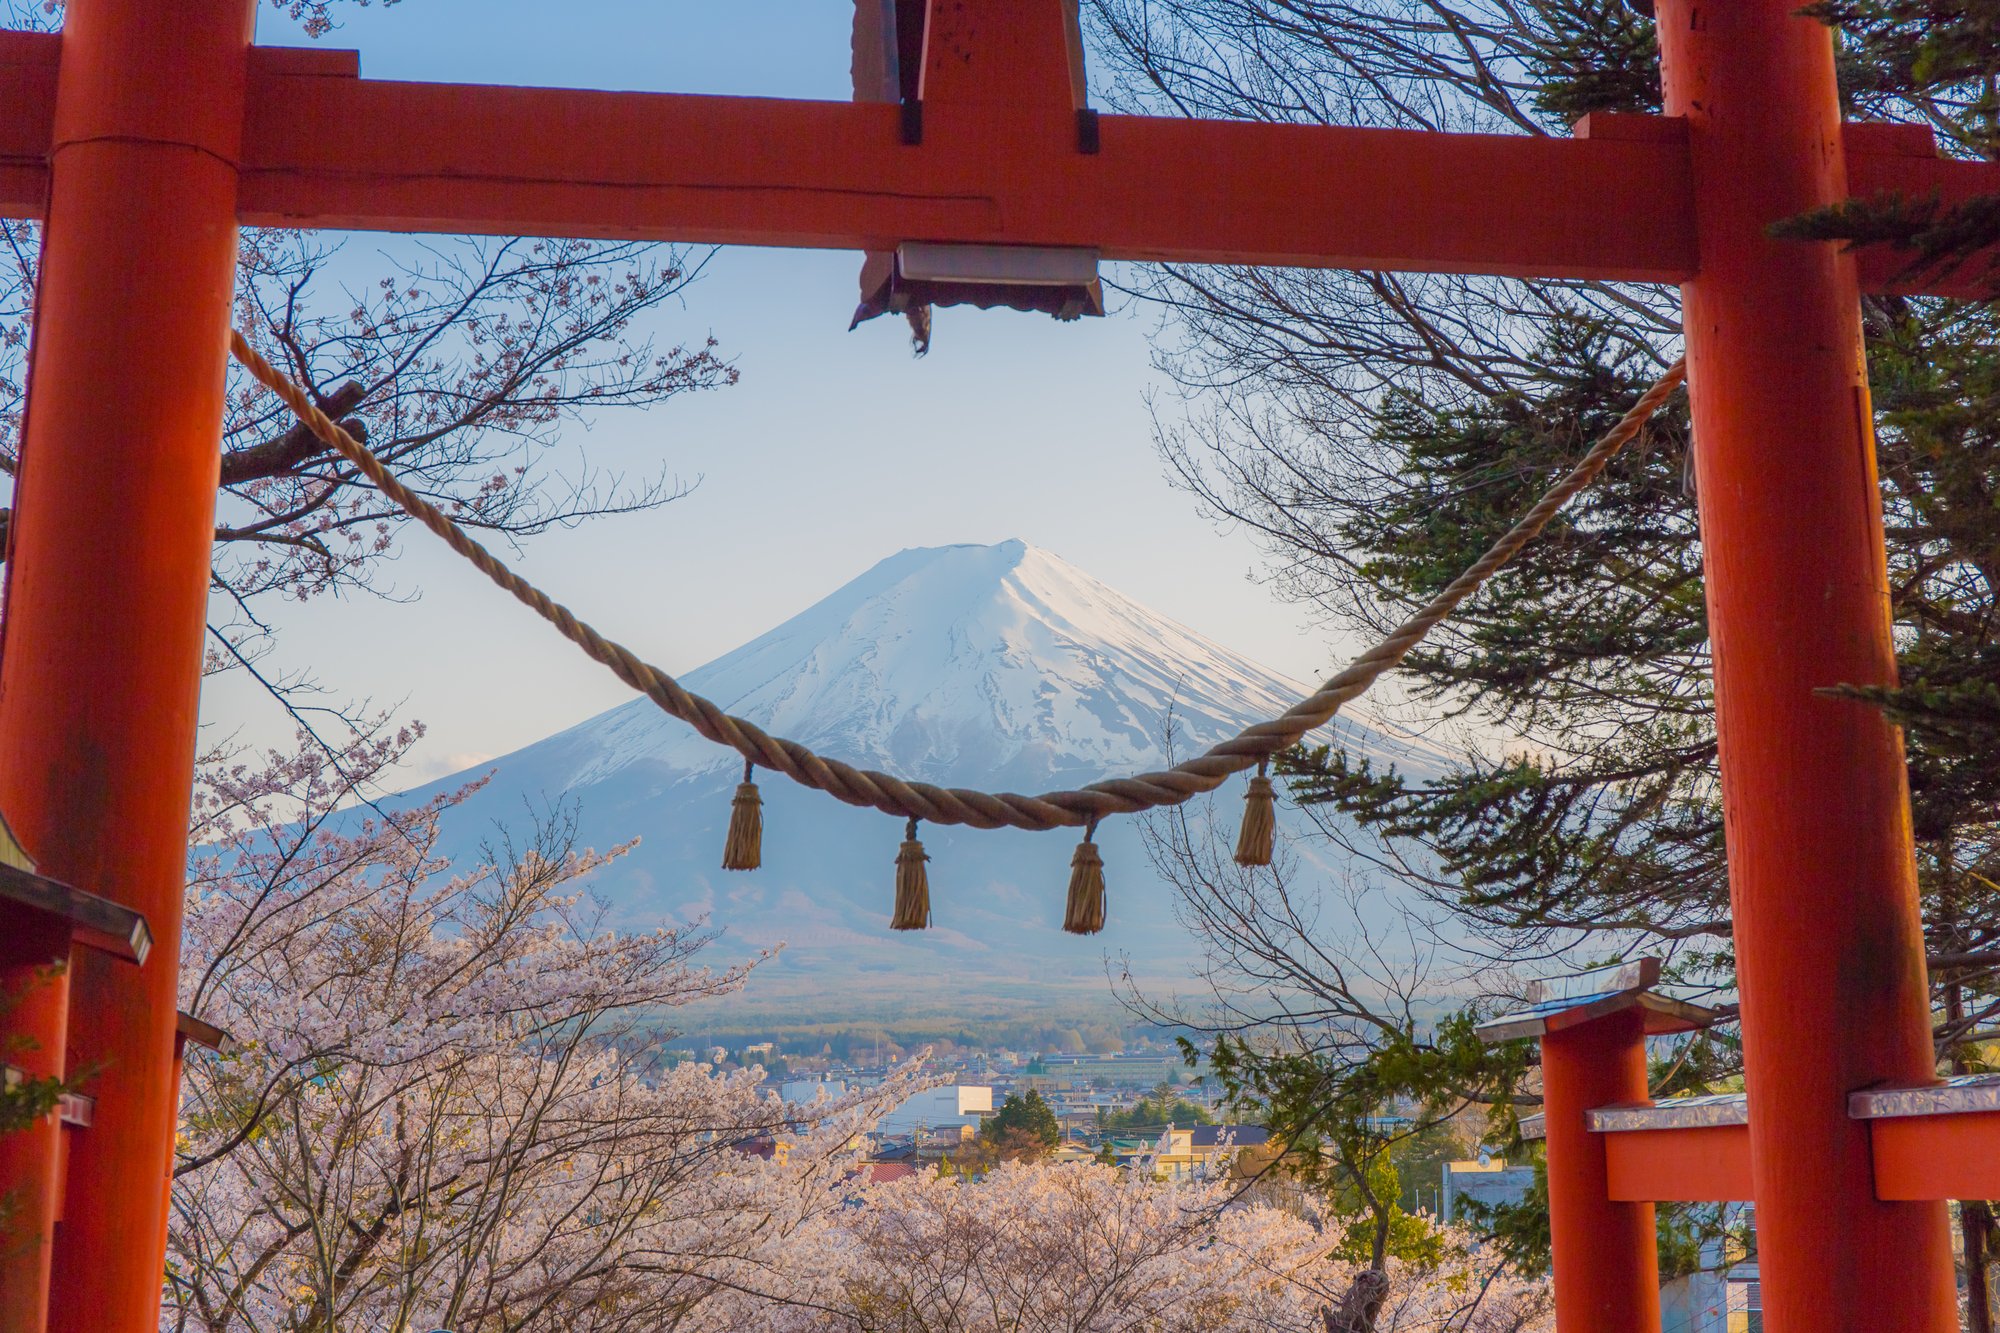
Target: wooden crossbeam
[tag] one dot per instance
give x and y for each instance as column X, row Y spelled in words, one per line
column 1937, row 1157
column 748, row 171
column 1940, row 1142
column 189, row 1028
column 325, row 148
column 1709, row 1165
column 1694, row 1150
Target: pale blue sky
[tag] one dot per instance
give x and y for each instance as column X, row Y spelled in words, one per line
column 1020, row 427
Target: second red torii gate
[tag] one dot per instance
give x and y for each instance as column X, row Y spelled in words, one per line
column 147, row 132
column 1613, row 1152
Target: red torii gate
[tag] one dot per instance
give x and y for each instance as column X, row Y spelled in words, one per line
column 1613, row 1153
column 147, row 132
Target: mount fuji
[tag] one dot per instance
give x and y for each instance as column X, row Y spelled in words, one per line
column 1000, row 667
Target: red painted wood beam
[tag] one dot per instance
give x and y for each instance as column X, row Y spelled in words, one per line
column 1883, row 158
column 1924, row 1157
column 1892, row 159
column 750, row 171
column 337, row 152
column 1710, row 1164
column 1937, row 1157
column 326, row 149
column 755, row 171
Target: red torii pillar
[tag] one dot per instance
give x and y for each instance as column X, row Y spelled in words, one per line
column 107, row 586
column 1829, row 943
column 35, row 996
column 1606, row 1253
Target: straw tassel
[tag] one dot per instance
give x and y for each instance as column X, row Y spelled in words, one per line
column 744, row 849
column 1260, row 821
column 1086, row 887
column 913, row 887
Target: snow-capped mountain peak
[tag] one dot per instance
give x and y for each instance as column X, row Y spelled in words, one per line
column 1000, row 666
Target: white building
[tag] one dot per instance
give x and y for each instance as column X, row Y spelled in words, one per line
column 1489, row 1181
column 809, row 1089
column 960, row 1105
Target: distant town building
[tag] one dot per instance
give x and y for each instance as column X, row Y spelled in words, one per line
column 810, row 1089
column 767, row 1146
column 958, row 1106
column 1189, row 1152
column 1746, row 1299
column 1700, row 1303
column 1722, row 1296
column 1488, row 1181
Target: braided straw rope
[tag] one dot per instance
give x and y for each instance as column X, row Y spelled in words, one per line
column 959, row 805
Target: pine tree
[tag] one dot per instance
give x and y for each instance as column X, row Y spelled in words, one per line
column 1023, row 1126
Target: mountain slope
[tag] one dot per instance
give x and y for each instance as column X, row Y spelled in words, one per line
column 1000, row 667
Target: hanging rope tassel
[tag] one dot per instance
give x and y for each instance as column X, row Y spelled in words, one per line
column 913, row 886
column 1086, row 887
column 1260, row 821
column 744, row 849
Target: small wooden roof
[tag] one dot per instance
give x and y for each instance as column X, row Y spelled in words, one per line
column 1594, row 994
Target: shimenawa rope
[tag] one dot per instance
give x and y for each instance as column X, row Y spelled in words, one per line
column 923, row 801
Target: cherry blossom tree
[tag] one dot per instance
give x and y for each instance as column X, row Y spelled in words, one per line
column 1078, row 1246
column 449, row 1103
